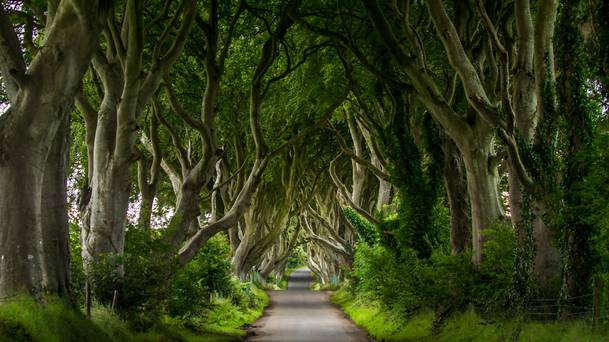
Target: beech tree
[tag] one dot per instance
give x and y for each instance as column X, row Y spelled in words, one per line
column 128, row 86
column 33, row 145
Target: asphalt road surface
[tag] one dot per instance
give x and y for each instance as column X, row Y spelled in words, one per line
column 299, row 314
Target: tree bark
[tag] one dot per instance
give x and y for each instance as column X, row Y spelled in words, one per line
column 482, row 181
column 455, row 183
column 55, row 228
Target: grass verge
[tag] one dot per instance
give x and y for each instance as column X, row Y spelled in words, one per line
column 467, row 326
column 23, row 319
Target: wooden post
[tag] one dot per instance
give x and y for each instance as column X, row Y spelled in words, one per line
column 88, row 299
column 114, row 297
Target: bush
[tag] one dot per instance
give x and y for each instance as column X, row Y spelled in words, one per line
column 150, row 285
column 497, row 271
column 377, row 273
column 141, row 278
column 405, row 283
column 207, row 274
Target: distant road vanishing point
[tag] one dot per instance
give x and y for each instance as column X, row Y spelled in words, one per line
column 299, row 314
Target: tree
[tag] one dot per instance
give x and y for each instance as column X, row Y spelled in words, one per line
column 128, row 87
column 33, row 144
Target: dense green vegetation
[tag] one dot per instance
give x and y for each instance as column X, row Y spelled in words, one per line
column 26, row 320
column 444, row 298
column 463, row 326
column 442, row 162
column 202, row 302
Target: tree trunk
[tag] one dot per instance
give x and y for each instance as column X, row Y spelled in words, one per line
column 358, row 172
column 145, row 216
column 384, row 196
column 482, row 180
column 456, row 191
column 105, row 233
column 32, row 155
column 22, row 163
column 547, row 262
column 55, row 228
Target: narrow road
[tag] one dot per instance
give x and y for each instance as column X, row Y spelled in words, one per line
column 299, row 314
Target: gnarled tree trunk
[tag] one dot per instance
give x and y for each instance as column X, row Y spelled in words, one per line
column 33, row 233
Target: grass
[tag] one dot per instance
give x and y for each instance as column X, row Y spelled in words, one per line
column 23, row 319
column 467, row 326
column 318, row 286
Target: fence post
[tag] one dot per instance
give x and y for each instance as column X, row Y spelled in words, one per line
column 596, row 301
column 88, row 299
column 114, row 297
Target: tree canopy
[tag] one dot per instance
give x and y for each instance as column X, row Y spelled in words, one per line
column 396, row 140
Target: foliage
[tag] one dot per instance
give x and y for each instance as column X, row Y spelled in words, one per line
column 140, row 278
column 464, row 326
column 405, row 284
column 208, row 274
column 153, row 286
column 365, row 230
column 380, row 275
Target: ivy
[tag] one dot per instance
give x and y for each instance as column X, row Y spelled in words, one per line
column 578, row 130
column 366, row 231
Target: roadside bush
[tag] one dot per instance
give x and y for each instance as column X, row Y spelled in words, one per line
column 448, row 281
column 406, row 284
column 150, row 285
column 140, row 277
column 496, row 272
column 378, row 274
column 207, row 274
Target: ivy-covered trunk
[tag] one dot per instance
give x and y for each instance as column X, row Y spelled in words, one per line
column 577, row 110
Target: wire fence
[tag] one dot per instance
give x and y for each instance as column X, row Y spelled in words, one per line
column 595, row 309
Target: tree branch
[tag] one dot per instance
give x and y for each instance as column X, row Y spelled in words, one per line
column 12, row 65
column 346, row 150
column 345, row 193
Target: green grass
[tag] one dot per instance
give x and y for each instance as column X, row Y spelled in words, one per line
column 467, row 326
column 317, row 286
column 220, row 324
column 24, row 320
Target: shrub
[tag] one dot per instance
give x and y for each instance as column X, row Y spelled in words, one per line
column 378, row 273
column 207, row 274
column 405, row 283
column 141, row 277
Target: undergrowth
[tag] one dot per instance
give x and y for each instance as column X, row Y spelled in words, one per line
column 23, row 319
column 383, row 325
